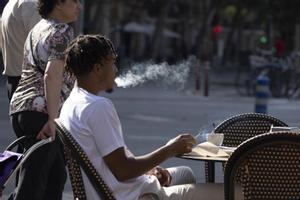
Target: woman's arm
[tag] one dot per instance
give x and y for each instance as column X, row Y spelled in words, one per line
column 53, row 81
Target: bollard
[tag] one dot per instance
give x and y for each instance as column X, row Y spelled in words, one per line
column 261, row 94
column 206, row 78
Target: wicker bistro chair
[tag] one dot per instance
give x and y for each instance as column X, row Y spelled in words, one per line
column 76, row 159
column 269, row 165
column 239, row 128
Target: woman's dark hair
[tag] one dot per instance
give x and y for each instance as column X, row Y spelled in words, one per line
column 45, row 7
column 85, row 51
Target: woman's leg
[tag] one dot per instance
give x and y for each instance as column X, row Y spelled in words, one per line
column 57, row 175
column 11, row 85
column 35, row 173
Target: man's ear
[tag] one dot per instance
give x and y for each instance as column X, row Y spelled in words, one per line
column 58, row 4
column 97, row 68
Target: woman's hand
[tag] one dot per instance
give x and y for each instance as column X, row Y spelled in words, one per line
column 47, row 131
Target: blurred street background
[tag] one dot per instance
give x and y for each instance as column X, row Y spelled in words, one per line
column 228, row 45
column 245, row 38
column 151, row 115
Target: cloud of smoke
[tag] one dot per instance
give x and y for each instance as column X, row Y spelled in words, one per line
column 139, row 73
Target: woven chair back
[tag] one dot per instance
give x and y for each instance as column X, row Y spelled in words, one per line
column 76, row 159
column 269, row 167
column 241, row 127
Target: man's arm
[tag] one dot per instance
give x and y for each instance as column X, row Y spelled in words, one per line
column 125, row 167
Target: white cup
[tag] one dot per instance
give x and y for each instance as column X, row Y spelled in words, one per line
column 215, row 138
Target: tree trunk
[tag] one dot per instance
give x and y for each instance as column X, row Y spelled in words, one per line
column 235, row 24
column 208, row 12
column 158, row 34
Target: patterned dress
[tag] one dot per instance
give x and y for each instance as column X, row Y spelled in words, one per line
column 49, row 40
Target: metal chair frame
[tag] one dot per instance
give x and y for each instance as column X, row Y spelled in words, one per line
column 23, row 158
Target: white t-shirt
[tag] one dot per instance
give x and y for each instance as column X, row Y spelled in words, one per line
column 18, row 18
column 94, row 123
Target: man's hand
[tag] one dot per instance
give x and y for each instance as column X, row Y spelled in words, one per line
column 47, row 131
column 162, row 175
column 181, row 144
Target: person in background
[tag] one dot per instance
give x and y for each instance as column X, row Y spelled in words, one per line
column 42, row 89
column 2, row 5
column 94, row 123
column 280, row 46
column 18, row 18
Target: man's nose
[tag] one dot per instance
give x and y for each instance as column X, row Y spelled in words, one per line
column 115, row 68
column 79, row 5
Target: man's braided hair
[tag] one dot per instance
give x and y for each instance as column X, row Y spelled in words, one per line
column 85, row 51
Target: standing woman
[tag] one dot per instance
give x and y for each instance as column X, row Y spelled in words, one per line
column 43, row 88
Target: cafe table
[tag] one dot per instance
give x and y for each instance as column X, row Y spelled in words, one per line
column 210, row 161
